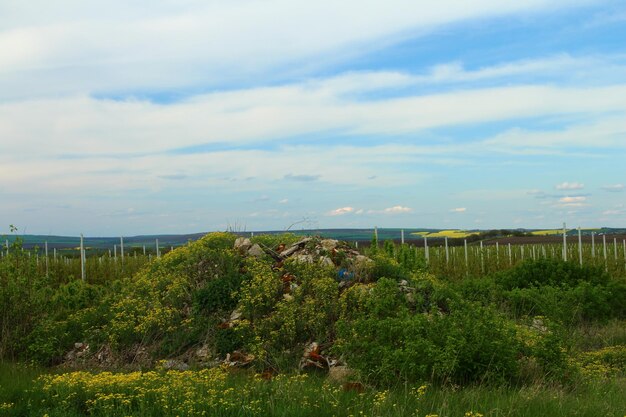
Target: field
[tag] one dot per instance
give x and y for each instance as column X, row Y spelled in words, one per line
column 453, row 234
column 316, row 327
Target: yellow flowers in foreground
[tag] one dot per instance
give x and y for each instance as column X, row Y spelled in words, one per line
column 187, row 392
column 217, row 391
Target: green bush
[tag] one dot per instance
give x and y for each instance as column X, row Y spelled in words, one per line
column 388, row 267
column 218, row 294
column 550, row 272
column 380, row 337
column 76, row 308
column 562, row 291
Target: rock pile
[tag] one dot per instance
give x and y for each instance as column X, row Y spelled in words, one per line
column 312, row 250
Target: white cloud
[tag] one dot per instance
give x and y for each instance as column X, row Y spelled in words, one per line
column 570, row 186
column 600, row 132
column 573, row 201
column 397, row 209
column 82, row 125
column 283, row 201
column 341, row 211
column 70, row 47
column 614, row 188
column 458, row 210
column 569, row 200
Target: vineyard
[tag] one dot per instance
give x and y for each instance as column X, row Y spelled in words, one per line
column 454, row 257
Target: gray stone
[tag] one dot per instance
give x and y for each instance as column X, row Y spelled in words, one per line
column 243, row 243
column 340, row 374
column 329, row 244
column 175, row 365
column 305, row 259
column 326, row 261
column 256, row 251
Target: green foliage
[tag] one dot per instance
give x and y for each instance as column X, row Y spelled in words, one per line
column 219, row 294
column 387, row 343
column 562, row 291
column 283, row 316
column 259, row 294
column 75, row 309
column 550, row 272
column 388, row 267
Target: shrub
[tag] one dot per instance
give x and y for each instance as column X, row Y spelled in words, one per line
column 550, row 272
column 386, row 342
column 386, row 266
column 259, row 294
column 218, row 294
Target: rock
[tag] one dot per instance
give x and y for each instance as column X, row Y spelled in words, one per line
column 238, row 358
column 329, row 244
column 80, row 350
column 235, row 315
column 290, row 251
column 326, row 261
column 203, row 353
column 539, row 325
column 256, row 251
column 362, row 260
column 294, row 248
column 303, row 258
column 243, row 243
column 173, row 364
column 410, row 297
column 340, row 374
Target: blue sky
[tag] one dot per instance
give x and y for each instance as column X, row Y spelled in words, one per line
column 123, row 118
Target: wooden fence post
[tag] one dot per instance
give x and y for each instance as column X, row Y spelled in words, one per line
column 82, row 258
column 564, row 242
column 580, row 247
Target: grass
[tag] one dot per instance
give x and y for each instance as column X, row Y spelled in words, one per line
column 220, row 392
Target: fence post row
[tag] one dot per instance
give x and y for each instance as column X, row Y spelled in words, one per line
column 480, row 253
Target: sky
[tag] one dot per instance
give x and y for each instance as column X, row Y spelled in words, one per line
column 149, row 117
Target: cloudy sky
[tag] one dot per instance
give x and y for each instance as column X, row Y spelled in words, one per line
column 136, row 117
